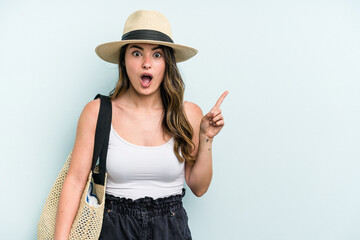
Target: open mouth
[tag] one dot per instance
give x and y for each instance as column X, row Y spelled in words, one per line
column 146, row 79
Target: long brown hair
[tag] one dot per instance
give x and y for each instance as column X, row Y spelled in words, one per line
column 174, row 121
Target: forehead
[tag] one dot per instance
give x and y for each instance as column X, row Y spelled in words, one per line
column 145, row 46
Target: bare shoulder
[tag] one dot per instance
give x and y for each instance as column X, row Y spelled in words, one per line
column 90, row 111
column 92, row 107
column 84, row 142
column 193, row 111
column 86, row 127
column 88, row 117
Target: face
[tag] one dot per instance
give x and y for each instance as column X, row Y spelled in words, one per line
column 145, row 67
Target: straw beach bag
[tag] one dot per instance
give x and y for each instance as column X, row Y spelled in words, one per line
column 88, row 221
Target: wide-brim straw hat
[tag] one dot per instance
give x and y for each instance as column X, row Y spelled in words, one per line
column 145, row 26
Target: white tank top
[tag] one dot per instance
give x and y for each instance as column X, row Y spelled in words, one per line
column 140, row 171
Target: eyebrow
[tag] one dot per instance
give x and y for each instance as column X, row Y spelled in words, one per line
column 155, row 48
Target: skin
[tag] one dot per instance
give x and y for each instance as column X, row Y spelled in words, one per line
column 137, row 118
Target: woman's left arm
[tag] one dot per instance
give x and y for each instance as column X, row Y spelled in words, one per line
column 198, row 175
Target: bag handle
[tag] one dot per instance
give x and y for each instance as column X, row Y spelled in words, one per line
column 102, row 133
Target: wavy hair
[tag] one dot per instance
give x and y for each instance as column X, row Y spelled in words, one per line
column 174, row 121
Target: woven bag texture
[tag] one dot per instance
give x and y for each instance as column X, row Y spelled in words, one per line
column 88, row 221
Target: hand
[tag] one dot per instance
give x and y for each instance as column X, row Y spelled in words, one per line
column 213, row 122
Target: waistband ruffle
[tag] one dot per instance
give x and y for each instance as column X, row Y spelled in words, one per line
column 148, row 205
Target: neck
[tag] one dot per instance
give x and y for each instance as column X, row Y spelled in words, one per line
column 147, row 102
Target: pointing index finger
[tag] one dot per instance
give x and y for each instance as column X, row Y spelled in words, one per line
column 221, row 99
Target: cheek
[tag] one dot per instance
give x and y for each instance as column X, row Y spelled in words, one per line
column 130, row 68
column 161, row 68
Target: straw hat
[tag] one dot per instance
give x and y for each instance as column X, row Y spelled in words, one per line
column 145, row 26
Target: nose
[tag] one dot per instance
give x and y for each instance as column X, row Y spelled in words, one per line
column 147, row 62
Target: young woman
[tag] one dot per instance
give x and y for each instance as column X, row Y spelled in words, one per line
column 156, row 139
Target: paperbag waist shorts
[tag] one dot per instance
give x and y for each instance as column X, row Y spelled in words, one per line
column 145, row 219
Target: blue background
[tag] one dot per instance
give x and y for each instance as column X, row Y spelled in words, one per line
column 287, row 163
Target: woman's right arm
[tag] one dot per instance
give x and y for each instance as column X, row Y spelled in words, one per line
column 78, row 173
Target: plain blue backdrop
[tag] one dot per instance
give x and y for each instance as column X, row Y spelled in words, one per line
column 287, row 163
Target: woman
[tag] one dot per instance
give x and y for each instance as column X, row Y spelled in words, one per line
column 156, row 139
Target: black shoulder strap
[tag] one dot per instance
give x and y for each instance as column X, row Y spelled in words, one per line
column 102, row 133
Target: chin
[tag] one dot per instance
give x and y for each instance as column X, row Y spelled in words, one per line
column 147, row 92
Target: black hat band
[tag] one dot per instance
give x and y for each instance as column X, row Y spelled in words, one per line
column 146, row 34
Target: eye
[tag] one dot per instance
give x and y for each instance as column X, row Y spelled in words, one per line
column 136, row 54
column 157, row 55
